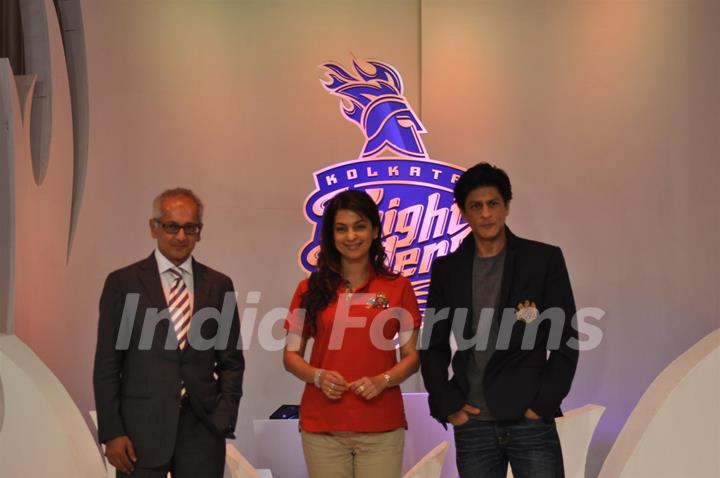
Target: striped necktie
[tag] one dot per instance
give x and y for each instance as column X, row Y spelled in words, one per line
column 180, row 307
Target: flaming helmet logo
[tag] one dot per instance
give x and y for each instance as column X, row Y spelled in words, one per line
column 376, row 103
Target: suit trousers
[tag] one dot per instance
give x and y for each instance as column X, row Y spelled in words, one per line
column 198, row 453
column 354, row 455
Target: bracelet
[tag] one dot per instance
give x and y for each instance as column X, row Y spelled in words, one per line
column 387, row 378
column 316, row 377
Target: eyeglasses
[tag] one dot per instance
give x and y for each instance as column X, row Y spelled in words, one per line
column 173, row 228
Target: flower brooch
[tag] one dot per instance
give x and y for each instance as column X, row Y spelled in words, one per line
column 380, row 301
column 526, row 311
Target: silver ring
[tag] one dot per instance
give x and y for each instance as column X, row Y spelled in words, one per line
column 361, row 388
column 332, row 386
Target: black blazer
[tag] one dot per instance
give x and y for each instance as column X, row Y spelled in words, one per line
column 515, row 379
column 137, row 390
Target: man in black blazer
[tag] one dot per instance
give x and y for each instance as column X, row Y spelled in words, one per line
column 168, row 366
column 507, row 301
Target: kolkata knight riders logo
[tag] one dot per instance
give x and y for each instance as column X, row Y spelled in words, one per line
column 420, row 221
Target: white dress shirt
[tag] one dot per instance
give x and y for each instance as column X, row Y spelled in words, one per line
column 167, row 278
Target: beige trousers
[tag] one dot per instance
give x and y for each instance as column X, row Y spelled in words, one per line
column 354, row 455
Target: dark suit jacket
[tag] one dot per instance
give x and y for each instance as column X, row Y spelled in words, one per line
column 515, row 379
column 137, row 390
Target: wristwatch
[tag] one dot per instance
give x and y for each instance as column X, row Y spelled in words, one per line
column 387, row 378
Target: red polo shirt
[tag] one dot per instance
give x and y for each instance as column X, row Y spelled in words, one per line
column 354, row 337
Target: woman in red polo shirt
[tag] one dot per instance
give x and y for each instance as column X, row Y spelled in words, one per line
column 351, row 413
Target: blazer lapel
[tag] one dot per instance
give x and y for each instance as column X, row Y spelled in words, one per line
column 508, row 272
column 150, row 280
column 466, row 258
column 201, row 286
column 201, row 291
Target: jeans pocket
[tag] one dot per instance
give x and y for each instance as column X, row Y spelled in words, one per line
column 536, row 422
column 462, row 426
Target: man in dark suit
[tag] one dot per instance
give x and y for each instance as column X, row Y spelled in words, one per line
column 507, row 301
column 168, row 366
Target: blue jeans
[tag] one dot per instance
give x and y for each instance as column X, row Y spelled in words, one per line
column 532, row 447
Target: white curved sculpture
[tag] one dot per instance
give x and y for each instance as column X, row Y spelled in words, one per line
column 575, row 431
column 674, row 431
column 236, row 465
column 430, row 466
column 43, row 432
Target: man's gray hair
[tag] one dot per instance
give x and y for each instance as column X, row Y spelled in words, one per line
column 173, row 193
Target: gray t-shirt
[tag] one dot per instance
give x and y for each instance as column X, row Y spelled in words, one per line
column 486, row 281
